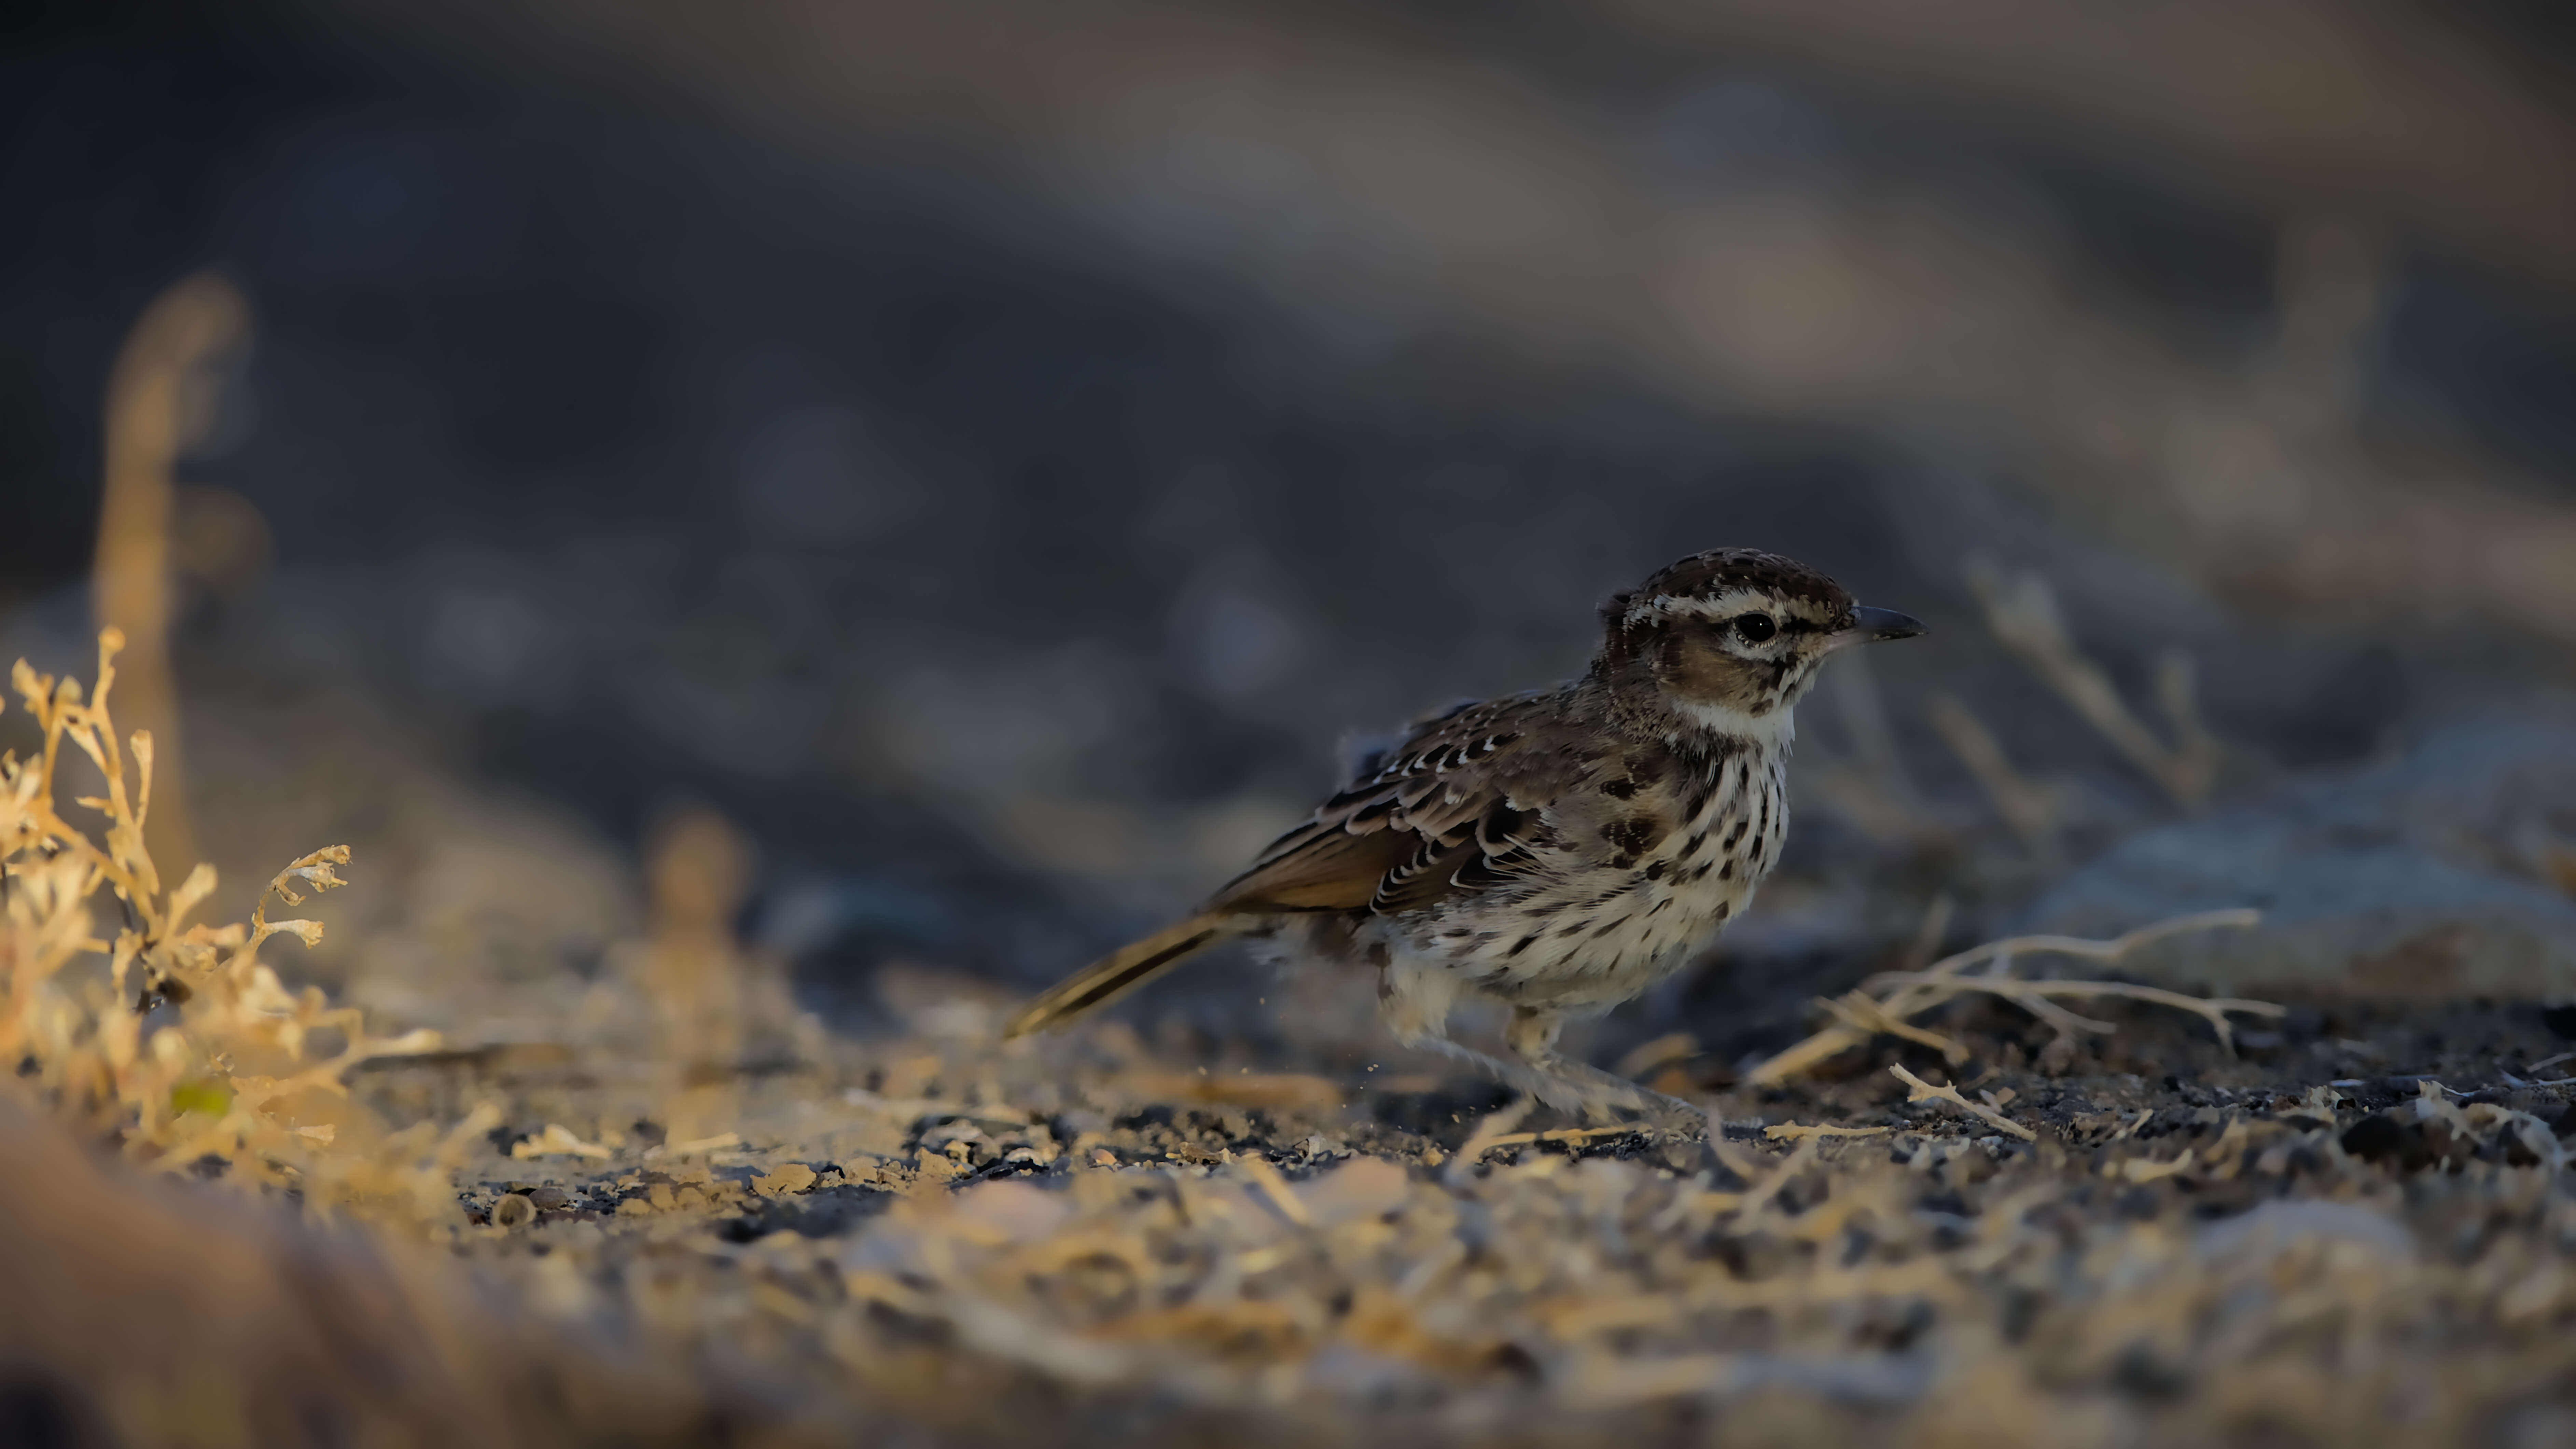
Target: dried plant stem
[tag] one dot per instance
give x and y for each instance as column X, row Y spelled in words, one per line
column 1274, row 1188
column 1925, row 1092
column 1860, row 1014
column 2034, row 997
column 1494, row 1127
column 155, row 401
column 1560, row 1134
column 1800, row 1131
column 1871, row 1019
column 61, row 715
column 234, row 1075
column 2022, row 611
column 2025, row 807
column 1927, row 936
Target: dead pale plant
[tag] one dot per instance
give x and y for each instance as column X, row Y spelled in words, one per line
column 245, row 1074
column 721, row 1007
column 1891, row 1002
column 699, row 870
column 2022, row 612
column 159, row 399
column 2031, row 809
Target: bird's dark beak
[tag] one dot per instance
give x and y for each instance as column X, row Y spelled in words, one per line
column 1871, row 625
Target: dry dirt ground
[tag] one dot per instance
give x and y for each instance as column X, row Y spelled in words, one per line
column 2357, row 1226
column 640, row 1196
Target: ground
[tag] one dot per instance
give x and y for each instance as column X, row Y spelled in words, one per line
column 1183, row 1236
column 608, row 1170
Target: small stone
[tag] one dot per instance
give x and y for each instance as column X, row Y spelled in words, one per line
column 2385, row 881
column 512, row 1210
column 1363, row 1188
column 792, row 1177
column 1013, row 1211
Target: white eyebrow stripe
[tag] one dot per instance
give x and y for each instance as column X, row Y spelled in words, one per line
column 1725, row 605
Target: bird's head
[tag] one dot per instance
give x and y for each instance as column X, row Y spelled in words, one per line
column 1729, row 639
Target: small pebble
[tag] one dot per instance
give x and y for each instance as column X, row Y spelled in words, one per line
column 793, row 1177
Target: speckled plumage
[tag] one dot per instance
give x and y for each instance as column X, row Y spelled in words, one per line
column 1558, row 852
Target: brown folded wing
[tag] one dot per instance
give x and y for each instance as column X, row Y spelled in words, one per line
column 1455, row 809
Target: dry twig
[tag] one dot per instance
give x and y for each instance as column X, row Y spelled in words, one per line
column 1860, row 1014
column 2022, row 611
column 1800, row 1132
column 1559, row 1134
column 1925, row 1092
column 2028, row 808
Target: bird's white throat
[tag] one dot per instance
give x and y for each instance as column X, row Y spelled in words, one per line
column 1774, row 730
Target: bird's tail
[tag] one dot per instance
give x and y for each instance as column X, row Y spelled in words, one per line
column 1122, row 971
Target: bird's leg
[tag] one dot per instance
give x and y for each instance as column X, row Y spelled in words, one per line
column 1558, row 1091
column 1532, row 1037
column 1415, row 1002
column 1414, row 999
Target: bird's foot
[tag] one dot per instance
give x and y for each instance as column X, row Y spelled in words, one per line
column 1586, row 1090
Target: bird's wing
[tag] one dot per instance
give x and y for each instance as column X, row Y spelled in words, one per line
column 1457, row 808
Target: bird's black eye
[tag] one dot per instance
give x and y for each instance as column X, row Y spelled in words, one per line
column 1754, row 628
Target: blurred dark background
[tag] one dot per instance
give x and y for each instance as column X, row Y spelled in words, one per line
column 996, row 453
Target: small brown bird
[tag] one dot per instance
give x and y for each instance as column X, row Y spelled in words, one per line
column 1558, row 852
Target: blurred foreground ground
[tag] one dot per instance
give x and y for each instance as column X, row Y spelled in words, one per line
column 769, row 538
column 2356, row 1230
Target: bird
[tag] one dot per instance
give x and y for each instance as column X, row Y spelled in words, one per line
column 1556, row 852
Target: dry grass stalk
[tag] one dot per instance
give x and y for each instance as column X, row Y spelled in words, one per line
column 156, row 401
column 2022, row 611
column 1853, row 795
column 718, row 1005
column 1800, row 1132
column 1927, row 936
column 2028, row 808
column 1561, row 1134
column 1869, row 1018
column 1890, row 1001
column 1664, row 1051
column 699, row 872
column 1275, row 1188
column 1924, row 1091
column 239, row 1076
column 1292, row 1091
column 1491, row 1129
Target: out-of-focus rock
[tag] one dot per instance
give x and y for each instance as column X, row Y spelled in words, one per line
column 141, row 1311
column 2444, row 872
